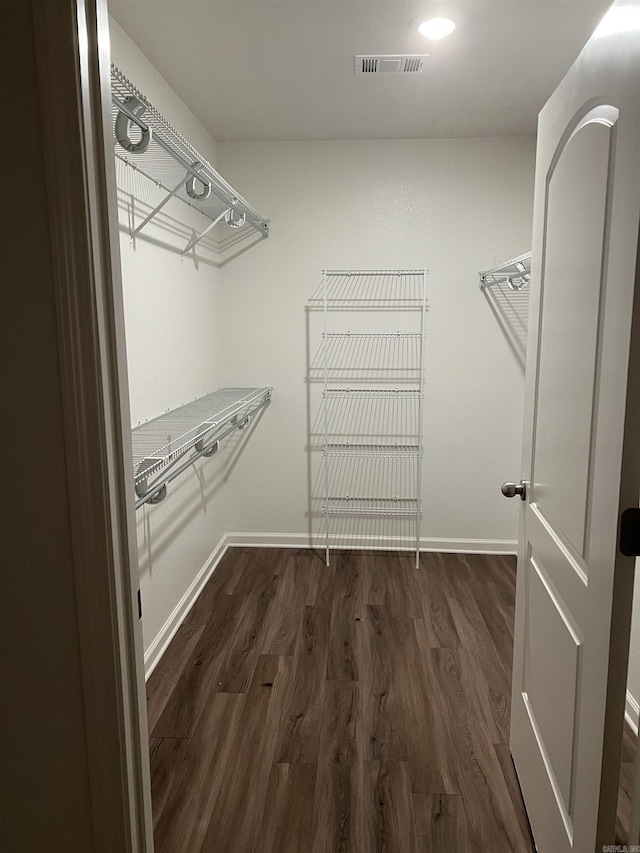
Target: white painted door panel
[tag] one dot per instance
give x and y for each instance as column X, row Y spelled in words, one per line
column 576, row 222
column 580, row 456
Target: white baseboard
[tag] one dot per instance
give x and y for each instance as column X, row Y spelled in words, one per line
column 159, row 645
column 632, row 713
column 303, row 540
column 507, row 547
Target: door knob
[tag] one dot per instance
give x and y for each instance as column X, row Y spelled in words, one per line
column 510, row 490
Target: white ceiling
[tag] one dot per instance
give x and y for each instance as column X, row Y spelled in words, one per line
column 284, row 69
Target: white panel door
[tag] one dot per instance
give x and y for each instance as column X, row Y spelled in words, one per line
column 581, row 445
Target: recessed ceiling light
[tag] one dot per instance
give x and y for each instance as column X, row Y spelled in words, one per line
column 436, row 28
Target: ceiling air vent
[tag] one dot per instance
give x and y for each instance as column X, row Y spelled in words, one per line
column 397, row 64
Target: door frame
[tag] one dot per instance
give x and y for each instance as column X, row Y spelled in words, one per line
column 73, row 75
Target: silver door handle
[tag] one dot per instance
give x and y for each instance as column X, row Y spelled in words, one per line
column 510, row 490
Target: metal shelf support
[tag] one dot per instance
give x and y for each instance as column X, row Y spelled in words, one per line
column 204, row 233
column 156, row 210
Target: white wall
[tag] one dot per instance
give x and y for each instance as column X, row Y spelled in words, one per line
column 172, row 318
column 455, row 206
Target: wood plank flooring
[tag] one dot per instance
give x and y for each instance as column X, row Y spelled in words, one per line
column 625, row 788
column 362, row 707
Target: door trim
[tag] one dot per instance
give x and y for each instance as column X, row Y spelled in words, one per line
column 629, row 498
column 72, row 49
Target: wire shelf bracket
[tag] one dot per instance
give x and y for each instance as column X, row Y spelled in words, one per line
column 167, row 445
column 515, row 273
column 145, row 141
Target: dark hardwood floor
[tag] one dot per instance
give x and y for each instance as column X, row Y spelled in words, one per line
column 362, row 707
column 625, row 788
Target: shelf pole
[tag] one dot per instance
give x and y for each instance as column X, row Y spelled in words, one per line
column 325, row 358
column 421, row 415
column 199, row 237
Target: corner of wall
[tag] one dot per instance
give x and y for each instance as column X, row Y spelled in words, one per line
column 172, row 306
column 130, row 59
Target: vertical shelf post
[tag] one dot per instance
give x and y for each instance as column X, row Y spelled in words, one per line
column 325, row 401
column 423, row 318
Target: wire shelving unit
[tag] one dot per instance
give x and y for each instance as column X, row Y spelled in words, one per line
column 506, row 289
column 372, row 405
column 147, row 142
column 515, row 273
column 167, row 445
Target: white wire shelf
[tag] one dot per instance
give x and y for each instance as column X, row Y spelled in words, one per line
column 146, row 141
column 375, row 357
column 391, row 451
column 391, row 274
column 372, row 335
column 372, row 394
column 391, row 506
column 389, row 420
column 359, row 290
column 515, row 273
column 160, row 446
column 372, row 474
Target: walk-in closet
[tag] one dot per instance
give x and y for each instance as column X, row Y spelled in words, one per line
column 356, row 300
column 326, row 398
